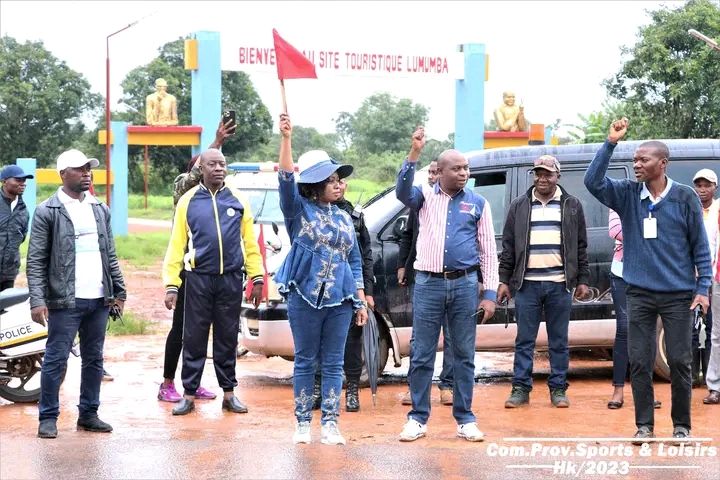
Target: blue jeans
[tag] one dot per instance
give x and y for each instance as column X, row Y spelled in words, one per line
column 89, row 318
column 620, row 348
column 446, row 374
column 530, row 301
column 434, row 301
column 319, row 336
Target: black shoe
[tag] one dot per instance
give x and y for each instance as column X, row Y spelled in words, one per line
column 317, row 394
column 234, row 405
column 518, row 396
column 93, row 424
column 352, row 400
column 643, row 434
column 47, row 428
column 184, row 407
column 559, row 399
column 681, row 435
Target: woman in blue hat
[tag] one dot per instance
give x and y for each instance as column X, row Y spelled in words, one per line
column 321, row 278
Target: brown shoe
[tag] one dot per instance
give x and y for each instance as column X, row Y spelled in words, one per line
column 713, row 398
column 406, row 398
column 446, row 396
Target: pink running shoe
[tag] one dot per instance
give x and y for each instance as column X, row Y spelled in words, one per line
column 169, row 394
column 203, row 393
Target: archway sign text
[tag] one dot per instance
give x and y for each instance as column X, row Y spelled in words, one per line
column 248, row 57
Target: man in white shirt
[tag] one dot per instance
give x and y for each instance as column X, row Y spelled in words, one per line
column 74, row 279
column 705, row 184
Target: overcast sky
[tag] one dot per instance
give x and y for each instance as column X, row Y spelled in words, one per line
column 553, row 54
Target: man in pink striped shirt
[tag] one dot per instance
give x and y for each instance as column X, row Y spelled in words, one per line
column 456, row 239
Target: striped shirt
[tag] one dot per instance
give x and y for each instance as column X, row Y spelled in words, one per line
column 544, row 257
column 455, row 233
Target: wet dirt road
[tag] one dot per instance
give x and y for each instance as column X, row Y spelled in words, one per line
column 148, row 442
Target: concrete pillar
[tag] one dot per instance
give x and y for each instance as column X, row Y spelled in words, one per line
column 470, row 100
column 119, row 166
column 206, row 88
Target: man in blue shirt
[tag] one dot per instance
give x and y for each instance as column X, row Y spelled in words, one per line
column 664, row 245
column 455, row 239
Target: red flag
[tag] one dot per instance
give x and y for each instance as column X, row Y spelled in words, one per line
column 290, row 62
column 248, row 288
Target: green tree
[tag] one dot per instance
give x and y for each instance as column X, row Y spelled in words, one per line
column 670, row 85
column 593, row 127
column 381, row 124
column 253, row 119
column 42, row 101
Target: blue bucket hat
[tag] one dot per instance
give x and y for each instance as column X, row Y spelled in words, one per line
column 13, row 171
column 316, row 166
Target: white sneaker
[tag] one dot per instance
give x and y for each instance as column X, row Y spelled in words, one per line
column 302, row 433
column 412, row 431
column 470, row 432
column 331, row 434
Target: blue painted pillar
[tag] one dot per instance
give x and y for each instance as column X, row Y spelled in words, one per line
column 119, row 200
column 206, row 88
column 470, row 100
column 548, row 135
column 29, row 166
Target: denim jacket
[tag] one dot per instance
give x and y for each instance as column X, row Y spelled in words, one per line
column 324, row 256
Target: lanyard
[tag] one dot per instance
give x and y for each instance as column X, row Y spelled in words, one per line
column 651, row 207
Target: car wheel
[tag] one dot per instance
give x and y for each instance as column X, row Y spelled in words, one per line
column 662, row 369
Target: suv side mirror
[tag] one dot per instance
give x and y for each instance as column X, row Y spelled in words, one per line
column 399, row 227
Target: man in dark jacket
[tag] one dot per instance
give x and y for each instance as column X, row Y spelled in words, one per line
column 74, row 278
column 14, row 219
column 544, row 257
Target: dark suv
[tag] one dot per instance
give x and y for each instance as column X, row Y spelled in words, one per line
column 499, row 175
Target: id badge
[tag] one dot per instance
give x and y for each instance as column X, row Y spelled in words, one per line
column 650, row 228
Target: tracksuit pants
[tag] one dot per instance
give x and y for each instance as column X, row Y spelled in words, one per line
column 211, row 300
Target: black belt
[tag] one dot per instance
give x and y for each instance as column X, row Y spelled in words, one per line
column 453, row 274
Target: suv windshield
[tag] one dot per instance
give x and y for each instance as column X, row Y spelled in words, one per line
column 265, row 205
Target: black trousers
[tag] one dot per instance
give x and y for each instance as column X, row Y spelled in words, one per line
column 211, row 300
column 173, row 344
column 643, row 308
column 353, row 353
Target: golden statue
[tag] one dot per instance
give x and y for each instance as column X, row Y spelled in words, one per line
column 161, row 107
column 510, row 117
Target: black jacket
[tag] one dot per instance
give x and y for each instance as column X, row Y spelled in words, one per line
column 13, row 230
column 407, row 251
column 516, row 238
column 51, row 256
column 364, row 242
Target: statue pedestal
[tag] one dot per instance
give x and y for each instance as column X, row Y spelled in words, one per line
column 159, row 135
column 506, row 139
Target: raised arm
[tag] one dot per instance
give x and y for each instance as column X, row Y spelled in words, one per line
column 290, row 203
column 610, row 192
column 404, row 190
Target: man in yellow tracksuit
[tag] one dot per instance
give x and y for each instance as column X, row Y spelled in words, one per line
column 212, row 239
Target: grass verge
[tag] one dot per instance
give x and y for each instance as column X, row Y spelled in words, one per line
column 131, row 324
column 142, row 249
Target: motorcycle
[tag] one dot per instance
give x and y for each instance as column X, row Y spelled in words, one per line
column 22, row 347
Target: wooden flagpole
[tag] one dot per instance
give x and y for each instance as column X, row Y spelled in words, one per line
column 284, row 99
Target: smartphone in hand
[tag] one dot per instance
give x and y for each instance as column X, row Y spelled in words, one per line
column 229, row 120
